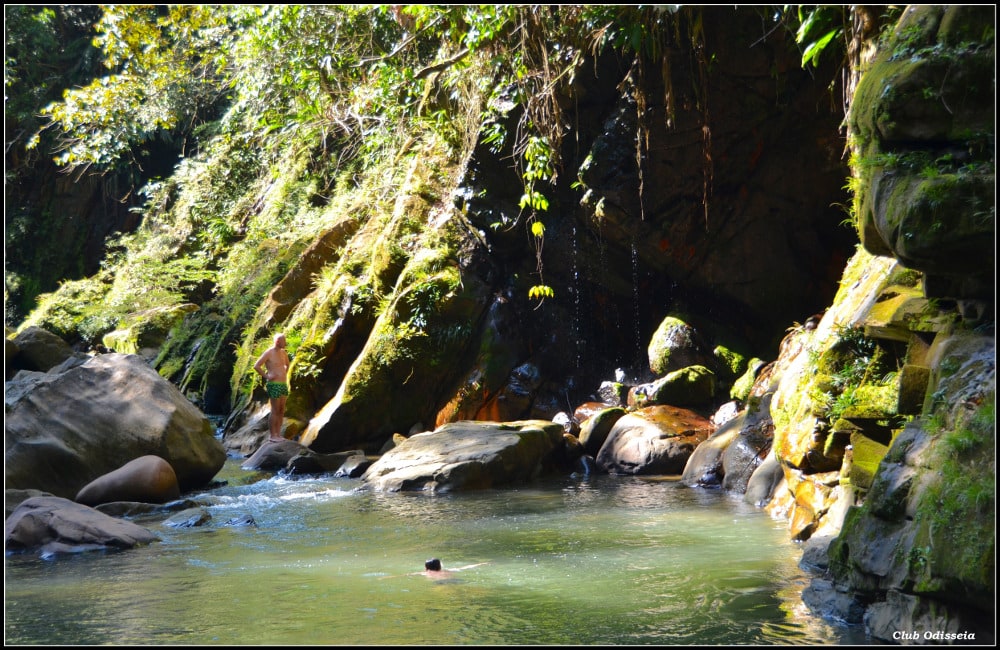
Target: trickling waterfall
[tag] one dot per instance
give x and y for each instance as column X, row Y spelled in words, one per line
column 636, row 312
column 579, row 343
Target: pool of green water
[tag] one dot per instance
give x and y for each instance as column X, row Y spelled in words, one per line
column 594, row 560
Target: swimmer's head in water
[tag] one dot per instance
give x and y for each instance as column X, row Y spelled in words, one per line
column 433, row 565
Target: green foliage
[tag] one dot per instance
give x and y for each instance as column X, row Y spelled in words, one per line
column 819, row 26
column 75, row 311
column 356, row 79
column 285, row 107
column 164, row 65
column 318, row 68
column 46, row 49
column 540, row 291
column 852, row 365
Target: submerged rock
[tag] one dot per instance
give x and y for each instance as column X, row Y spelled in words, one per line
column 190, row 518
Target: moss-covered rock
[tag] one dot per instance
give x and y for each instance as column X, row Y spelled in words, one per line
column 432, row 315
column 674, row 345
column 821, row 374
column 730, row 362
column 865, row 458
column 927, row 528
column 921, row 122
column 742, row 386
column 144, row 332
column 693, row 386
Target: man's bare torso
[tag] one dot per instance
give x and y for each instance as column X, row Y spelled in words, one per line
column 276, row 363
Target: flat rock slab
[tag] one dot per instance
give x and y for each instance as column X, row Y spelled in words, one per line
column 466, row 455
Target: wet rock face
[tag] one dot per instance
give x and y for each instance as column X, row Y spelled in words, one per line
column 919, row 552
column 714, row 217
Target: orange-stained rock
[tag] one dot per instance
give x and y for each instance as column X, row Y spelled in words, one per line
column 653, row 440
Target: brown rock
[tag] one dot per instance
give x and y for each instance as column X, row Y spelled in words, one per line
column 147, row 479
column 653, row 440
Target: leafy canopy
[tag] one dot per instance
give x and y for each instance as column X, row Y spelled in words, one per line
column 165, row 68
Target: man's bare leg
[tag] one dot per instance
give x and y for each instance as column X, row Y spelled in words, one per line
column 276, row 417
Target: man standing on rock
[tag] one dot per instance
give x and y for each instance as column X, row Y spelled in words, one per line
column 273, row 367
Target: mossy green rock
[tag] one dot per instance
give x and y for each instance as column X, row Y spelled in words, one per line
column 691, row 386
column 674, row 345
column 866, row 456
column 931, row 88
column 742, row 386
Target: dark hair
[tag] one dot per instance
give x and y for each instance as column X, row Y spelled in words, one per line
column 433, row 565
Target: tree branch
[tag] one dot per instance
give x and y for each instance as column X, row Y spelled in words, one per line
column 447, row 63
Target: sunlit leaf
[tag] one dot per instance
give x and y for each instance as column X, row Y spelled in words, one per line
column 813, row 52
column 540, row 291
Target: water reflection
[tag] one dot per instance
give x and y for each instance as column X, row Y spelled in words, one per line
column 591, row 562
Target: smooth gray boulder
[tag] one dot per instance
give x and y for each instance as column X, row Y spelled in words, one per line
column 467, row 455
column 53, row 525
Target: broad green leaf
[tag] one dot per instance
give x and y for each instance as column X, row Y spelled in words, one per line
column 813, row 52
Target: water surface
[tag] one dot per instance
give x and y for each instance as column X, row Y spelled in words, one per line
column 582, row 561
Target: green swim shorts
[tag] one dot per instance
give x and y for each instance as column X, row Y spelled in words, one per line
column 276, row 389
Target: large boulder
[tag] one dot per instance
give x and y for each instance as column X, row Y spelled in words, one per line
column 594, row 430
column 674, row 345
column 749, row 449
column 467, row 455
column 704, row 468
column 64, row 430
column 653, row 440
column 54, row 525
column 691, row 386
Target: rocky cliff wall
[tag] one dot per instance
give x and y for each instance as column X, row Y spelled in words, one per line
column 885, row 419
